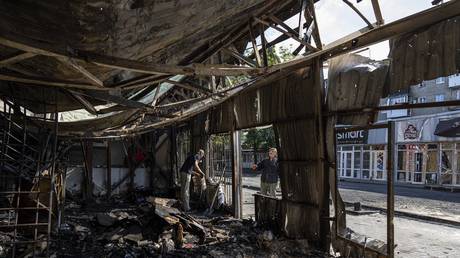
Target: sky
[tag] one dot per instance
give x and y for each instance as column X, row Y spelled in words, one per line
column 336, row 19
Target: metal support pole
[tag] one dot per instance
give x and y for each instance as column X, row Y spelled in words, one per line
column 390, row 190
column 108, row 182
column 236, row 175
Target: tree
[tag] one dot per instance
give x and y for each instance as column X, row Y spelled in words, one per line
column 258, row 139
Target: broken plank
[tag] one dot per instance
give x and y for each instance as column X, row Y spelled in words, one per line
column 16, row 58
column 190, row 86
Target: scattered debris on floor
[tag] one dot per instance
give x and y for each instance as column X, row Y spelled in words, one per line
column 155, row 227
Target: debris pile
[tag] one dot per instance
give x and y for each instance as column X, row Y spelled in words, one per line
column 156, row 228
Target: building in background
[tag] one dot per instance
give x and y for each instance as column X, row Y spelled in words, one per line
column 427, row 150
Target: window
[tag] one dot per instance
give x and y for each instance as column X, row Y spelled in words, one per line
column 440, row 80
column 439, row 97
column 454, row 80
column 398, row 112
column 421, row 99
column 457, row 94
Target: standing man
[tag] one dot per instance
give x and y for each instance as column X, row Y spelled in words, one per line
column 269, row 168
column 190, row 166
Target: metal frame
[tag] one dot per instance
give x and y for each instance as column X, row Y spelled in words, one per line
column 27, row 155
column 390, row 184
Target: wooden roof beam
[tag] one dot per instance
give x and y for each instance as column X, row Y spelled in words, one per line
column 369, row 24
column 47, row 82
column 366, row 37
column 377, row 12
column 254, row 44
column 290, row 34
column 47, row 49
column 16, row 58
column 85, row 103
column 239, row 56
column 190, row 87
column 73, row 64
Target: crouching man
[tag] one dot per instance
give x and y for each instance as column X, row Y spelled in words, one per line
column 190, row 166
column 269, row 168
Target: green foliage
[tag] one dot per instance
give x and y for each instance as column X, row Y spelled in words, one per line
column 258, row 139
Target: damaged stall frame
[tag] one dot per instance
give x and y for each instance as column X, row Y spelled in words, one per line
column 390, row 185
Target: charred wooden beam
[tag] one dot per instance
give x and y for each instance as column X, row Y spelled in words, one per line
column 272, row 43
column 369, row 24
column 254, row 45
column 181, row 103
column 85, row 103
column 316, row 36
column 114, row 99
column 288, row 33
column 191, row 87
column 155, row 97
column 43, row 48
column 73, row 64
column 108, row 182
column 366, row 36
column 16, row 58
column 281, row 23
column 377, row 12
column 47, row 82
column 264, row 45
column 239, row 56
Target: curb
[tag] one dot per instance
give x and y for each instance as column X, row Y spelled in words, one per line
column 412, row 215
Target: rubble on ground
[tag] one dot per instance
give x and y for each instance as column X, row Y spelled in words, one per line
column 155, row 227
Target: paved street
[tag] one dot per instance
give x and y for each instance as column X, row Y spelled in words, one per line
column 421, row 201
column 414, row 239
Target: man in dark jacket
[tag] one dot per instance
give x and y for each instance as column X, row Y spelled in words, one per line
column 269, row 168
column 190, row 166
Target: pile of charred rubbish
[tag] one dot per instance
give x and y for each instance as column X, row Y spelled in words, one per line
column 155, row 227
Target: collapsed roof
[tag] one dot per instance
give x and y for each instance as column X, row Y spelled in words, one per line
column 137, row 65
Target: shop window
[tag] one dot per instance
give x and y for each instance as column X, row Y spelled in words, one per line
column 446, row 166
column 401, row 176
column 380, row 163
column 348, row 164
column 366, row 165
column 418, row 177
column 418, row 162
column 347, row 148
column 431, row 178
column 432, row 161
column 401, row 160
column 356, row 163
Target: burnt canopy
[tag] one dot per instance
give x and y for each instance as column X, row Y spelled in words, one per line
column 50, row 41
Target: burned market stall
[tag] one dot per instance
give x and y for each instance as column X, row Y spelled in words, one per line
column 103, row 102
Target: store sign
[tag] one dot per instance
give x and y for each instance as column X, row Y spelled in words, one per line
column 410, row 133
column 352, row 137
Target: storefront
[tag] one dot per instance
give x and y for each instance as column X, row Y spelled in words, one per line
column 362, row 154
column 424, row 153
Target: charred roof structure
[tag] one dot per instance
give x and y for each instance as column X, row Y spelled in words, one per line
column 150, row 79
